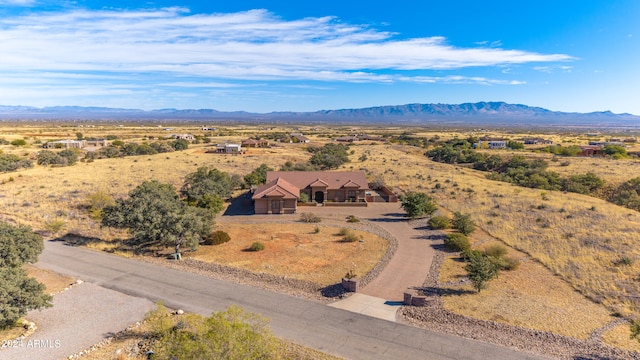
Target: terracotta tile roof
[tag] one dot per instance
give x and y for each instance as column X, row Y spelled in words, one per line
column 334, row 179
column 277, row 187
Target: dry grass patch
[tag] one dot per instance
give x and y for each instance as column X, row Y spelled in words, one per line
column 530, row 297
column 296, row 251
column 620, row 337
column 53, row 282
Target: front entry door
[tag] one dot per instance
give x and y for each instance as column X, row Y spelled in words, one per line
column 275, row 206
column 319, row 197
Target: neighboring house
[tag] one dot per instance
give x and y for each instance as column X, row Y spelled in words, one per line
column 183, row 137
column 65, row 144
column 206, row 128
column 591, row 150
column 229, row 148
column 537, row 141
column 253, row 143
column 282, row 191
column 357, row 137
column 605, row 143
column 370, row 137
column 348, row 139
column 298, row 138
column 96, row 143
column 491, row 143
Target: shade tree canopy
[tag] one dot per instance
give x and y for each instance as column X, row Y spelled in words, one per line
column 19, row 293
column 157, row 217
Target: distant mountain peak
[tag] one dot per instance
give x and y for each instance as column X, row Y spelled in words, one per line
column 497, row 113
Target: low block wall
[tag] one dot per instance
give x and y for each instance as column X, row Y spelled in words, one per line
column 411, row 298
column 347, row 204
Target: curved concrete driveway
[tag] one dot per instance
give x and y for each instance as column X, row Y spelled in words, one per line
column 410, row 264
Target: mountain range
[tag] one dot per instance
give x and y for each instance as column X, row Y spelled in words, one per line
column 467, row 114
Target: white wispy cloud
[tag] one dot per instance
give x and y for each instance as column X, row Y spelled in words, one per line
column 18, row 2
column 251, row 45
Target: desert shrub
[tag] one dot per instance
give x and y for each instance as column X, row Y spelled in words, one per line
column 97, row 201
column 510, row 263
column 463, row 223
column 480, row 269
column 256, row 246
column 439, row 222
column 161, row 147
column 352, row 219
column 310, row 218
column 10, row 162
column 457, row 242
column 19, row 142
column 48, row 157
column 54, row 226
column 348, row 235
column 232, row 334
column 343, row 231
column 316, row 230
column 70, row 155
column 217, row 238
column 330, row 156
column 495, row 251
column 180, row 144
column 417, row 204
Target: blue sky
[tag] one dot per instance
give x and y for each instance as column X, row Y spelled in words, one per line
column 265, row 56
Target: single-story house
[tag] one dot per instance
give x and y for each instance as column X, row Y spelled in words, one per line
column 491, row 143
column 283, row 189
column 183, row 137
column 348, row 138
column 96, row 143
column 65, row 144
column 605, row 143
column 537, row 141
column 229, row 148
column 591, row 150
column 253, row 143
column 298, row 138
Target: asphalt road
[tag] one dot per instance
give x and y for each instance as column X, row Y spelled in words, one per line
column 335, row 331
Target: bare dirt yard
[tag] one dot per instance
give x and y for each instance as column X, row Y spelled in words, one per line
column 295, row 250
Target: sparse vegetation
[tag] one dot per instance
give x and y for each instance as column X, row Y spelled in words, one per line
column 232, row 334
column 9, row 162
column 217, row 237
column 348, row 235
column 463, row 223
column 310, row 218
column 457, row 242
column 352, row 219
column 480, row 269
column 418, row 204
column 256, row 246
column 439, row 222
